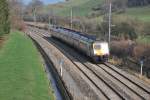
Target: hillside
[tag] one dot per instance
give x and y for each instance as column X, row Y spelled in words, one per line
column 141, row 13
column 80, row 7
column 84, row 8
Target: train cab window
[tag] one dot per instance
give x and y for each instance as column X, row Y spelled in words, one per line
column 97, row 47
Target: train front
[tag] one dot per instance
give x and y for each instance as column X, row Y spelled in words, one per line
column 101, row 51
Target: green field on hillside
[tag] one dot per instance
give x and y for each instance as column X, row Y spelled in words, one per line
column 84, row 8
column 141, row 13
column 22, row 75
column 80, row 7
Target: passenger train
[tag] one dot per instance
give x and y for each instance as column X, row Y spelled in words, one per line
column 97, row 50
column 87, row 44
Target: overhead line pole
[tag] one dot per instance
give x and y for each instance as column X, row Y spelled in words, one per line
column 71, row 17
column 34, row 12
column 110, row 6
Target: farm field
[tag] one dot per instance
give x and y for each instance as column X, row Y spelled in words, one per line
column 22, row 75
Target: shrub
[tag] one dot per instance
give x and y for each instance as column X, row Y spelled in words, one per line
column 141, row 50
column 17, row 23
column 122, row 48
column 124, row 27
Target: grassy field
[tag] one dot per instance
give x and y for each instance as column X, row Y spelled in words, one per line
column 22, row 75
column 141, row 13
column 84, row 8
column 80, row 7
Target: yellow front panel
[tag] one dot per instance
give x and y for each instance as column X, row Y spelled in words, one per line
column 98, row 52
column 100, row 49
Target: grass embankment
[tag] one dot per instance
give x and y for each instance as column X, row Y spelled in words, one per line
column 22, row 75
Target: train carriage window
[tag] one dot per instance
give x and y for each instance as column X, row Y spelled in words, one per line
column 76, row 36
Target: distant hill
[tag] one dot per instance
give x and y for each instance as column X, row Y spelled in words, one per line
column 80, row 7
column 85, row 7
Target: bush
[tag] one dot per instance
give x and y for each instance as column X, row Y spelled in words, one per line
column 141, row 50
column 17, row 23
column 124, row 27
column 122, row 48
column 125, row 30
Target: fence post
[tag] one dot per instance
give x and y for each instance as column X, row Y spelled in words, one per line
column 61, row 69
column 141, row 63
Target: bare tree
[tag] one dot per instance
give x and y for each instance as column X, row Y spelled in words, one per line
column 16, row 13
column 34, row 6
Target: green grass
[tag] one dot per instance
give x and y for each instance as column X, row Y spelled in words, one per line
column 141, row 13
column 80, row 7
column 22, row 75
column 83, row 8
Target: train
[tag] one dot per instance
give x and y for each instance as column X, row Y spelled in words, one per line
column 97, row 50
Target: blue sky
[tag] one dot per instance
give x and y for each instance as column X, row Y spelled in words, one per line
column 45, row 1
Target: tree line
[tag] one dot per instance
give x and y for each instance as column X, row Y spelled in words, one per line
column 132, row 3
column 11, row 14
column 4, row 17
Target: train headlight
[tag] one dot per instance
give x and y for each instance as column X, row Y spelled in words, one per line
column 101, row 49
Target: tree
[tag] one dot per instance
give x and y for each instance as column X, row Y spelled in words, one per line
column 16, row 14
column 119, row 5
column 34, row 6
column 124, row 30
column 4, row 17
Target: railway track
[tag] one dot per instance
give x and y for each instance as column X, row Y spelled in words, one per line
column 65, row 95
column 41, row 41
column 109, row 81
column 122, row 87
column 84, row 76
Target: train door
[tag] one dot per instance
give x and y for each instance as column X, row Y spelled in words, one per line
column 88, row 51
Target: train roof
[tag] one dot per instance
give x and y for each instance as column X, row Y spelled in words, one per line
column 91, row 37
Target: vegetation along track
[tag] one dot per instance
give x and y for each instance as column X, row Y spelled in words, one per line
column 111, row 81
